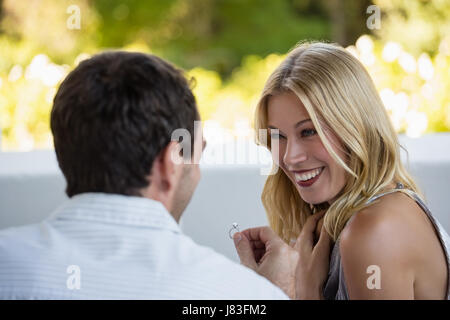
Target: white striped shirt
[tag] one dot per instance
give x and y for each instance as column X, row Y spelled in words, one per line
column 104, row 246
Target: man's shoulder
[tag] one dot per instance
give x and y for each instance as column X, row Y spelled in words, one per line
column 20, row 245
column 17, row 235
column 24, row 263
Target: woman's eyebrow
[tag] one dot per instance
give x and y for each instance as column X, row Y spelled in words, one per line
column 298, row 124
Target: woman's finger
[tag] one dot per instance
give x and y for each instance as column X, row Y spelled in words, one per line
column 311, row 222
column 323, row 246
column 306, row 237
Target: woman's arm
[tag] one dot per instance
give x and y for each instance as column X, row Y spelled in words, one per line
column 377, row 255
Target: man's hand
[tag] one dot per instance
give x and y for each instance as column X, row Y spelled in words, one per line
column 299, row 271
column 261, row 250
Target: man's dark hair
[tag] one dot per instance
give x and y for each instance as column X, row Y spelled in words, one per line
column 112, row 116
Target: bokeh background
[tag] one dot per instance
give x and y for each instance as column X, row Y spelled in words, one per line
column 229, row 47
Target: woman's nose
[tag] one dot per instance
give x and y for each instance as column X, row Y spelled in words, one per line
column 294, row 154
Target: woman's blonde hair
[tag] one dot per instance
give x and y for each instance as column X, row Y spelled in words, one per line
column 337, row 92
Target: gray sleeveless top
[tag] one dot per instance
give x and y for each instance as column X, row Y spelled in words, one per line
column 335, row 288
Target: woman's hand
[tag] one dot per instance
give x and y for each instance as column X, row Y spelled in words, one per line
column 314, row 260
column 300, row 271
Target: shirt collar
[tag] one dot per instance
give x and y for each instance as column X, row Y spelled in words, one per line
column 117, row 209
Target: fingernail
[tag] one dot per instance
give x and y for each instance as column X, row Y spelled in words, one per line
column 237, row 237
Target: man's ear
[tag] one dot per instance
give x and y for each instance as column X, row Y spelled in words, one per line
column 170, row 165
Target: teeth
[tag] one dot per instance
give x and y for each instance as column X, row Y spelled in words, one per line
column 308, row 175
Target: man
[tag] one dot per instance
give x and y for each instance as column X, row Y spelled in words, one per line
column 117, row 237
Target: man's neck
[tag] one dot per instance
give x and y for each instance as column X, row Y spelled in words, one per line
column 149, row 194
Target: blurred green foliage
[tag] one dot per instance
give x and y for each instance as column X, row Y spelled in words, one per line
column 229, row 46
column 212, row 34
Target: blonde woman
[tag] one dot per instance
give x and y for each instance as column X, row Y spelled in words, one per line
column 339, row 154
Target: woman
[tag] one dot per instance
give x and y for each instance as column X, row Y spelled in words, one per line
column 332, row 138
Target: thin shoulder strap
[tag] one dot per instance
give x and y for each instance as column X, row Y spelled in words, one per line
column 398, row 187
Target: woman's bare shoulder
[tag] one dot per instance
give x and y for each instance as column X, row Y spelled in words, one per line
column 397, row 236
column 384, row 227
column 379, row 237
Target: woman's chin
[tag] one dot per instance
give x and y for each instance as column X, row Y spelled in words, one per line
column 316, row 203
column 314, row 200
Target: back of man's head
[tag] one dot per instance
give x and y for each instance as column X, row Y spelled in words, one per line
column 112, row 116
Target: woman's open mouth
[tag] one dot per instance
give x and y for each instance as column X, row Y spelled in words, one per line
column 306, row 179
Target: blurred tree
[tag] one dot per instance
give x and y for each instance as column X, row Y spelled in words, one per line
column 214, row 34
column 348, row 19
column 419, row 25
column 34, row 26
column 218, row 34
column 1, row 12
column 229, row 46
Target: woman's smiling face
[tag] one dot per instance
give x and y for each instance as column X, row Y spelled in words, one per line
column 302, row 156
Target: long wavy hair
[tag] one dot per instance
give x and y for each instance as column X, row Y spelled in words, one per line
column 338, row 92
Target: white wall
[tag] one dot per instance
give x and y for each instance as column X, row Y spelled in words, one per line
column 31, row 186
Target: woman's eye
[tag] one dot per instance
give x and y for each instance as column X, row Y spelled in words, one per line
column 308, row 132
